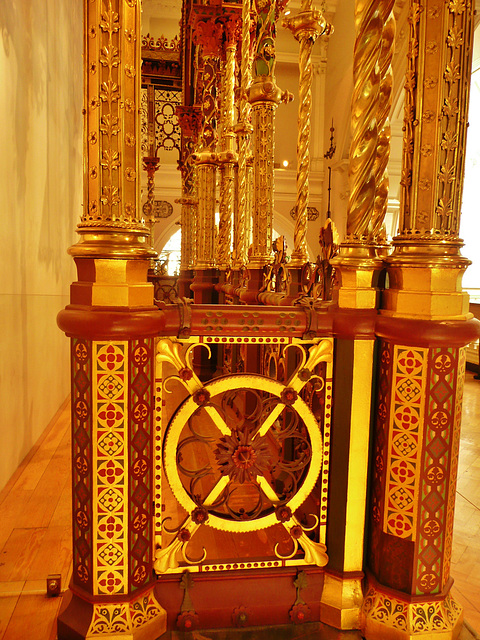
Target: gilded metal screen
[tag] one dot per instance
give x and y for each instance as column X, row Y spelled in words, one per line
column 242, row 453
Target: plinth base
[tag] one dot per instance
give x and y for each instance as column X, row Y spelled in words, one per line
column 386, row 616
column 142, row 618
column 307, row 631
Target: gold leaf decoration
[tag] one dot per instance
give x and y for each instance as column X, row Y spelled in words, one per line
column 450, row 107
column 457, row 6
column 455, row 37
column 452, row 73
column 447, row 174
column 110, row 160
column 450, row 141
column 444, row 207
column 110, row 196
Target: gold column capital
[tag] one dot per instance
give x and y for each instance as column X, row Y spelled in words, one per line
column 205, row 157
column 308, row 24
column 265, row 89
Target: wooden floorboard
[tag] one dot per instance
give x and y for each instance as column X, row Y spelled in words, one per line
column 32, row 618
column 35, row 527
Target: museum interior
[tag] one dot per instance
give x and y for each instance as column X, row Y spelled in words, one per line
column 239, row 299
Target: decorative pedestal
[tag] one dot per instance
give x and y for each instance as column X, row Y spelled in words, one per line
column 415, row 458
column 391, row 615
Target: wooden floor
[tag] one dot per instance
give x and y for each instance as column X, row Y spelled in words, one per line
column 35, row 532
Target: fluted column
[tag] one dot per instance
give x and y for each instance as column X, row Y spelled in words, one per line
column 207, row 34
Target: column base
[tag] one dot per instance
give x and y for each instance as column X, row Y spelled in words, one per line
column 389, row 616
column 139, row 619
column 342, row 599
column 358, row 269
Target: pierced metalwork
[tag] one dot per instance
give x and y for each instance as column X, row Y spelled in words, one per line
column 167, row 128
column 244, row 452
column 243, row 456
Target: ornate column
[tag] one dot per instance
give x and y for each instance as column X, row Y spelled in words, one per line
column 208, row 35
column 227, row 156
column 241, row 228
column 264, row 96
column 377, row 231
column 112, row 321
column 358, row 269
column 426, row 267
column 357, row 265
column 150, row 165
column 189, row 119
column 424, row 329
column 306, row 27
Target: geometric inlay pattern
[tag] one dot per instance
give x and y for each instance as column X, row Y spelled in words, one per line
column 442, row 420
column 81, row 358
column 123, row 618
column 140, row 500
column 110, row 478
column 380, row 455
column 411, row 619
column 452, row 479
column 404, row 441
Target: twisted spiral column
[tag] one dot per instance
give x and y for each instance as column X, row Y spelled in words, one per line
column 363, row 149
column 306, row 27
column 227, row 157
column 383, row 121
column 243, row 209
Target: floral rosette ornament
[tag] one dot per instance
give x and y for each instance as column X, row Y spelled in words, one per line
column 300, row 613
column 187, row 621
column 201, row 397
column 288, row 396
column 199, row 515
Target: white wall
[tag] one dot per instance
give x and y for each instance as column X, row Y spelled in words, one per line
column 40, row 203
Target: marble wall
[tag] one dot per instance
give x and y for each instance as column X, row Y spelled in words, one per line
column 40, row 203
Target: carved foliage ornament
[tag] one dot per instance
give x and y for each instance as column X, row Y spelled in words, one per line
column 110, row 115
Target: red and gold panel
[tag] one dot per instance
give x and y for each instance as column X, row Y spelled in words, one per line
column 419, row 401
column 82, row 462
column 404, row 441
column 452, row 482
column 123, row 618
column 387, row 616
column 140, row 487
column 380, row 455
column 439, row 469
column 110, row 464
